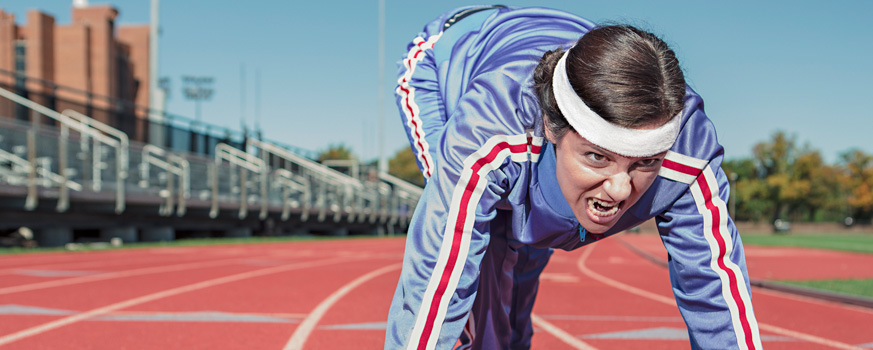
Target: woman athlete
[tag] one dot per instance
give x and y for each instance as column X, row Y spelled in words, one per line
column 535, row 130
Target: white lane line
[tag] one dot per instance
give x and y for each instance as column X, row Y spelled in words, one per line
column 616, row 284
column 801, row 298
column 659, row 298
column 302, row 332
column 807, row 337
column 159, row 295
column 90, row 264
column 185, row 313
column 110, row 275
column 567, row 338
column 653, row 258
column 104, row 261
column 601, row 318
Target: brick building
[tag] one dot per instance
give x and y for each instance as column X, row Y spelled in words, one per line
column 90, row 65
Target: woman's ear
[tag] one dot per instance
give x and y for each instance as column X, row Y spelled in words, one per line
column 549, row 135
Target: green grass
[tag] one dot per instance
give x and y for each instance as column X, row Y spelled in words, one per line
column 179, row 243
column 859, row 243
column 859, row 287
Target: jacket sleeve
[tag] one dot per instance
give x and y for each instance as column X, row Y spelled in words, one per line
column 419, row 94
column 706, row 261
column 450, row 230
column 418, row 97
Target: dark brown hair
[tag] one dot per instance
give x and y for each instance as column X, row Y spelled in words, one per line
column 627, row 76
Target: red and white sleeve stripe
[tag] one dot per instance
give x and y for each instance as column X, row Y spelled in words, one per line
column 681, row 168
column 459, row 228
column 734, row 287
column 410, row 108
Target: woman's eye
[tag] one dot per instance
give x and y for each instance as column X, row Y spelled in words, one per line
column 595, row 157
column 648, row 162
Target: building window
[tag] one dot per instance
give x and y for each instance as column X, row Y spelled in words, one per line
column 21, row 112
column 20, row 62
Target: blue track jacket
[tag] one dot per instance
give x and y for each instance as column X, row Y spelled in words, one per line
column 492, row 210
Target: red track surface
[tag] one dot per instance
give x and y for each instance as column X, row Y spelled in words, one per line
column 335, row 295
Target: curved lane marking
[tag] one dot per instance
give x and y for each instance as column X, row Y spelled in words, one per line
column 302, row 332
column 159, row 295
column 559, row 333
column 662, row 262
column 662, row 299
column 810, row 300
column 111, row 275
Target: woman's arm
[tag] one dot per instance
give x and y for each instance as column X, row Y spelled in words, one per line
column 706, row 260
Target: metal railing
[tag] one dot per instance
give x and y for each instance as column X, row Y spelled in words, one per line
column 171, row 164
column 91, row 156
column 89, row 127
column 18, row 165
column 407, row 197
column 235, row 157
column 324, row 180
column 86, row 130
column 291, row 182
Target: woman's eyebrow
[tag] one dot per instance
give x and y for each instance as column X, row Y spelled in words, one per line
column 605, row 152
column 601, row 150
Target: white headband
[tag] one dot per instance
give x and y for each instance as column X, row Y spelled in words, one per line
column 614, row 138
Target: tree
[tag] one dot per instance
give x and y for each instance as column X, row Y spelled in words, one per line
column 336, row 151
column 796, row 181
column 774, row 159
column 857, row 179
column 404, row 166
column 783, row 180
column 749, row 199
column 814, row 187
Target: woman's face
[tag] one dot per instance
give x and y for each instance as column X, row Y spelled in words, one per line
column 600, row 185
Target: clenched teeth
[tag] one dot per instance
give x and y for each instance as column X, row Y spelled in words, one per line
column 601, row 208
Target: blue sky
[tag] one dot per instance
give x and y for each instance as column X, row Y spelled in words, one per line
column 803, row 67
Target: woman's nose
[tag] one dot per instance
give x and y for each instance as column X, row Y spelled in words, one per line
column 618, row 186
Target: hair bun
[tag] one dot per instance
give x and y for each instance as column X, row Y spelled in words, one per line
column 546, row 68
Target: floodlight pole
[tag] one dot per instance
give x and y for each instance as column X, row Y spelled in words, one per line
column 157, row 96
column 198, row 89
column 153, row 54
column 383, row 163
column 733, row 198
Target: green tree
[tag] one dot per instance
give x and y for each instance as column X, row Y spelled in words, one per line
column 813, row 187
column 783, row 180
column 857, row 179
column 774, row 159
column 749, row 197
column 336, row 151
column 796, row 181
column 403, row 166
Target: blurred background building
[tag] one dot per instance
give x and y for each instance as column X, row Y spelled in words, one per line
column 80, row 145
column 88, row 65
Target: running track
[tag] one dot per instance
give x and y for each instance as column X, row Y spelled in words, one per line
column 335, row 295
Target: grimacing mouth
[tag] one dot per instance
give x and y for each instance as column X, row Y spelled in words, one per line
column 603, row 208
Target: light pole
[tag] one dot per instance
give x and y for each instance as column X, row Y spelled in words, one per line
column 164, row 85
column 733, row 199
column 197, row 89
column 157, row 97
column 382, row 163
